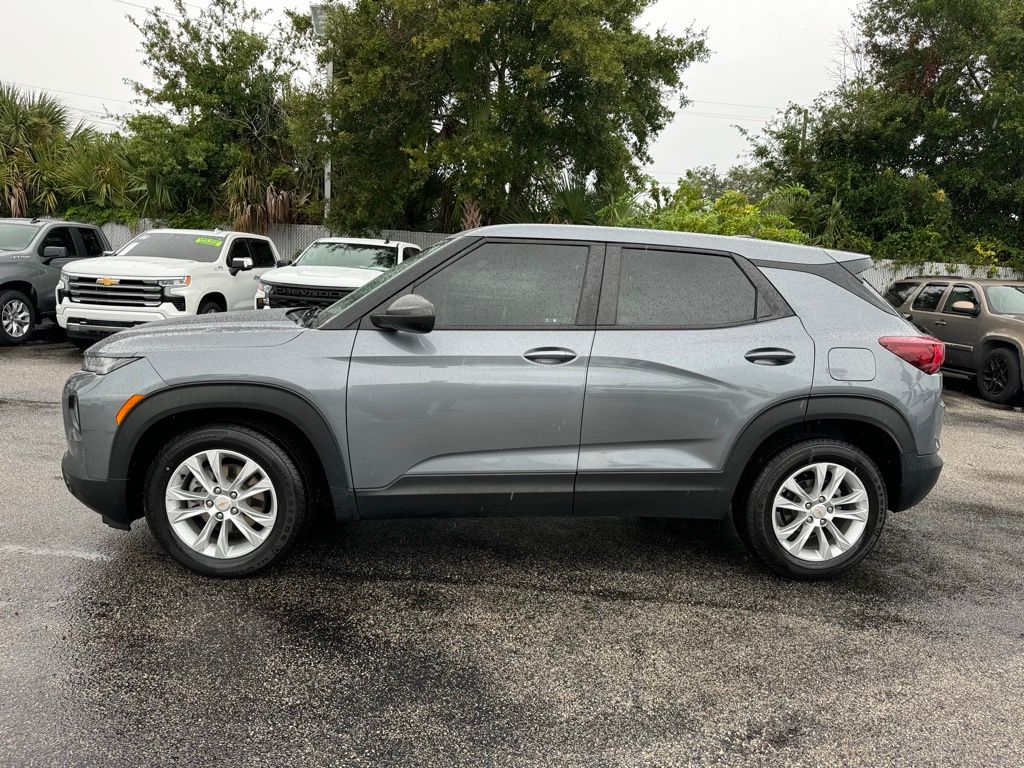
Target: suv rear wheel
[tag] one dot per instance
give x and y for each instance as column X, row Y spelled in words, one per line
column 816, row 509
column 225, row 500
column 17, row 317
column 999, row 378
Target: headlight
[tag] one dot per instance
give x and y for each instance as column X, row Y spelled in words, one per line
column 175, row 282
column 104, row 364
column 264, row 287
column 63, row 282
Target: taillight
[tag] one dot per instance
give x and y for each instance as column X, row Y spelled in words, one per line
column 925, row 353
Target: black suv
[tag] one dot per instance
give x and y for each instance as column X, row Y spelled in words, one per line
column 32, row 252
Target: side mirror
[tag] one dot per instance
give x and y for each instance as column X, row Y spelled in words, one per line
column 108, row 253
column 55, row 252
column 410, row 313
column 965, row 308
column 240, row 263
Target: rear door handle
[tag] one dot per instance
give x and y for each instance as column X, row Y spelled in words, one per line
column 550, row 355
column 770, row 356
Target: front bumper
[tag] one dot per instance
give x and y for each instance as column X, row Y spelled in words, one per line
column 919, row 474
column 90, row 321
column 108, row 497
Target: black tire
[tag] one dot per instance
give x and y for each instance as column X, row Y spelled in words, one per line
column 758, row 512
column 999, row 378
column 281, row 469
column 9, row 297
column 209, row 307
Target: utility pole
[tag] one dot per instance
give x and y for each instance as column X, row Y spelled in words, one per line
column 319, row 11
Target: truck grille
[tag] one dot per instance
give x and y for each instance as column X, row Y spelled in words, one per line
column 296, row 296
column 120, row 293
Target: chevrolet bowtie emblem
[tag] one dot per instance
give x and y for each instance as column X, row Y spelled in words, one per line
column 107, row 281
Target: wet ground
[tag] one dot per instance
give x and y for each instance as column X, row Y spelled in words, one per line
column 585, row 642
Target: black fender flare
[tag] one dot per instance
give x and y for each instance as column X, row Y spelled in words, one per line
column 232, row 396
column 856, row 408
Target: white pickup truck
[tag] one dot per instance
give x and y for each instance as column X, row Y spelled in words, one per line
column 162, row 273
column 330, row 268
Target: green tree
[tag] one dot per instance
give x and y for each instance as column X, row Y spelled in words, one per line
column 442, row 105
column 221, row 82
column 920, row 156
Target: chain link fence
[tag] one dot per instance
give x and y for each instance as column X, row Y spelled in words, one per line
column 290, row 239
column 885, row 273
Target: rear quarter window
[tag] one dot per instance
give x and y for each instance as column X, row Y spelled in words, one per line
column 898, row 293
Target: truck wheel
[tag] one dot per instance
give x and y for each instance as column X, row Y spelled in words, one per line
column 816, row 509
column 225, row 500
column 17, row 317
column 209, row 306
column 999, row 378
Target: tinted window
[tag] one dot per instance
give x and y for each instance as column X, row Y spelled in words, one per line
column 92, row 242
column 262, row 256
column 61, row 238
column 674, row 289
column 239, row 250
column 899, row 293
column 928, row 299
column 175, row 245
column 960, row 293
column 507, row 285
column 411, row 252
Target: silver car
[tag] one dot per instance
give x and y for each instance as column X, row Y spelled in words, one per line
column 525, row 370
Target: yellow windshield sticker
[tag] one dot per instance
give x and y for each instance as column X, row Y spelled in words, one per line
column 208, row 241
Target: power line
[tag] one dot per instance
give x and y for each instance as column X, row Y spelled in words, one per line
column 69, row 93
column 733, row 104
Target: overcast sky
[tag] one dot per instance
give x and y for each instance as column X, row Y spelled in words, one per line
column 764, row 55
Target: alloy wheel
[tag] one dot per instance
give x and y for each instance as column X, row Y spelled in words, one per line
column 16, row 318
column 820, row 511
column 221, row 504
column 996, row 375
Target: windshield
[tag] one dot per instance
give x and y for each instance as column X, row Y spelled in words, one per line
column 328, row 313
column 16, row 237
column 1006, row 299
column 175, row 245
column 360, row 255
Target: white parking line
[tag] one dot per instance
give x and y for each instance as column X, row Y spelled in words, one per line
column 80, row 554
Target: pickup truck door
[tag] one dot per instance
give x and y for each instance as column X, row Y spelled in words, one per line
column 46, row 287
column 241, row 286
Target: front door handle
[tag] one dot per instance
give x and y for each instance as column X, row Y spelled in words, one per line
column 770, row 356
column 940, row 322
column 550, row 355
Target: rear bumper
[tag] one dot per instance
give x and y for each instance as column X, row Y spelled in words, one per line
column 919, row 475
column 108, row 497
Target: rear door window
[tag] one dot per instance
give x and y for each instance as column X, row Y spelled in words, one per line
column 92, row 241
column 929, row 297
column 676, row 289
column 898, row 293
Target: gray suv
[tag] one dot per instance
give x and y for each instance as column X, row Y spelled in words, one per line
column 525, row 370
column 32, row 252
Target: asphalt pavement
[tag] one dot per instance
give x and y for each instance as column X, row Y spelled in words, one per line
column 569, row 642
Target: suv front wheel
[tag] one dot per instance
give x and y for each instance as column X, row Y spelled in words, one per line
column 816, row 509
column 225, row 500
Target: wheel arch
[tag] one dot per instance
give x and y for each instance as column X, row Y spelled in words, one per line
column 283, row 414
column 216, row 296
column 875, row 427
column 22, row 286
